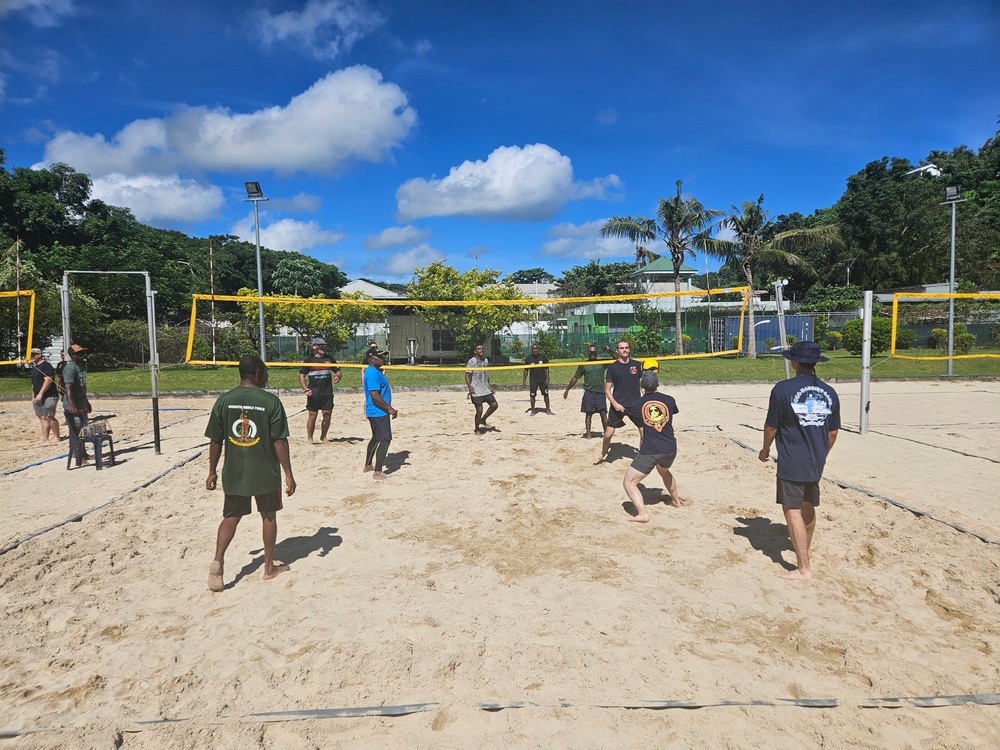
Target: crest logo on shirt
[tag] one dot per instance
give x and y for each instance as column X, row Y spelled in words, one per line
column 244, row 432
column 812, row 406
column 656, row 415
column 633, row 369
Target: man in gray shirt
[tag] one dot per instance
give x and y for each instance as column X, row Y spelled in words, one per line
column 480, row 391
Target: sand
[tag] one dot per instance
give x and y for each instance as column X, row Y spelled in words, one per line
column 501, row 571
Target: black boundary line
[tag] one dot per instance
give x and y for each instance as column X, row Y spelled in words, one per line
column 271, row 717
column 885, row 499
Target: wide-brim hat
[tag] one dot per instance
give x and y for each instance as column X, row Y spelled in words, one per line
column 77, row 349
column 806, row 352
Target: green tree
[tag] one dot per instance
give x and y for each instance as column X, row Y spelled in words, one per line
column 682, row 223
column 470, row 324
column 755, row 240
column 297, row 276
column 853, row 332
column 594, row 279
column 531, row 276
column 822, row 298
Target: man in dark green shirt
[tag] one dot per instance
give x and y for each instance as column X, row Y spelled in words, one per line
column 594, row 400
column 252, row 425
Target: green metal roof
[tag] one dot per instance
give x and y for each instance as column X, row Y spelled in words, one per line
column 663, row 264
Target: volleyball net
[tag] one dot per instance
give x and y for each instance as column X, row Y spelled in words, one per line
column 920, row 323
column 418, row 333
column 17, row 322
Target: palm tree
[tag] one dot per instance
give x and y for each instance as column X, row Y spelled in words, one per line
column 682, row 223
column 755, row 241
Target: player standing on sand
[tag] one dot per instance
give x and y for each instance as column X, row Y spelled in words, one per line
column 659, row 446
column 477, row 379
column 621, row 387
column 803, row 415
column 539, row 377
column 594, row 401
column 379, row 411
column 252, row 424
column 318, row 388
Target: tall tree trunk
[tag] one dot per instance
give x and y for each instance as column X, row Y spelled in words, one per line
column 752, row 335
column 679, row 332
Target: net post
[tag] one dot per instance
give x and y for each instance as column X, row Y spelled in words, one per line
column 866, row 363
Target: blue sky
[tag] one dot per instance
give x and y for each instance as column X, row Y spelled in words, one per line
column 392, row 134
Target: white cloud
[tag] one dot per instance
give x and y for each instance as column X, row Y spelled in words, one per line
column 300, row 202
column 396, row 237
column 584, row 242
column 601, row 188
column 41, row 13
column 521, row 184
column 349, row 114
column 607, row 117
column 400, row 265
column 327, row 29
column 155, row 197
column 287, row 234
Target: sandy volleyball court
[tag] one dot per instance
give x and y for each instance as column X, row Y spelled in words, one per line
column 500, row 572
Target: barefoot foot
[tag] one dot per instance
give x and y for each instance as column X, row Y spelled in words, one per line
column 643, row 518
column 215, row 582
column 378, row 475
column 275, row 571
column 368, row 467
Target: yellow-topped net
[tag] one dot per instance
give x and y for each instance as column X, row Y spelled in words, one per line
column 920, row 324
column 407, row 328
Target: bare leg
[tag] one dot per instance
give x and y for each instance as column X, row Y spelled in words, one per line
column 531, row 409
column 631, row 484
column 670, row 482
column 479, row 418
column 227, row 530
column 311, row 425
column 609, row 432
column 548, row 407
column 493, row 408
column 270, row 533
column 586, row 423
column 53, row 429
column 801, row 524
column 325, row 426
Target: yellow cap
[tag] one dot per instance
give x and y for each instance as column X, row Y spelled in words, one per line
column 650, row 364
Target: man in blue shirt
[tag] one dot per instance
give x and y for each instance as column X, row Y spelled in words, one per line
column 378, row 409
column 803, row 416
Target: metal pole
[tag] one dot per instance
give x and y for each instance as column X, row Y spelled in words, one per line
column 154, row 361
column 866, row 363
column 260, row 283
column 951, row 300
column 779, row 301
column 65, row 312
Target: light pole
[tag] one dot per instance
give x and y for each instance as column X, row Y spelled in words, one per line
column 952, row 197
column 849, row 262
column 256, row 195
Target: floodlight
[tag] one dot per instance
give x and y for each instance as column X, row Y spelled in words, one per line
column 253, row 190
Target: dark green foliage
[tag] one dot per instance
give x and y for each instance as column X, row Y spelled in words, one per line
column 531, row 276
column 905, row 338
column 965, row 342
column 596, row 279
column 881, row 335
column 822, row 298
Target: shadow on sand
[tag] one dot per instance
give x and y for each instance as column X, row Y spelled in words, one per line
column 292, row 549
column 768, row 537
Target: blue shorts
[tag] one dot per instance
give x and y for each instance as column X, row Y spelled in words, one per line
column 593, row 403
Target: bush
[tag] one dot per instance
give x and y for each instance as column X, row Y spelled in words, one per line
column 836, row 339
column 938, row 338
column 770, row 343
column 853, row 332
column 996, row 334
column 905, row 338
column 791, row 339
column 965, row 342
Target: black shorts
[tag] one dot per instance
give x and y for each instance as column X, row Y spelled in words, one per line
column 645, row 463
column 381, row 428
column 489, row 398
column 320, row 403
column 791, row 494
column 237, row 506
column 616, row 418
column 535, row 387
column 593, row 403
